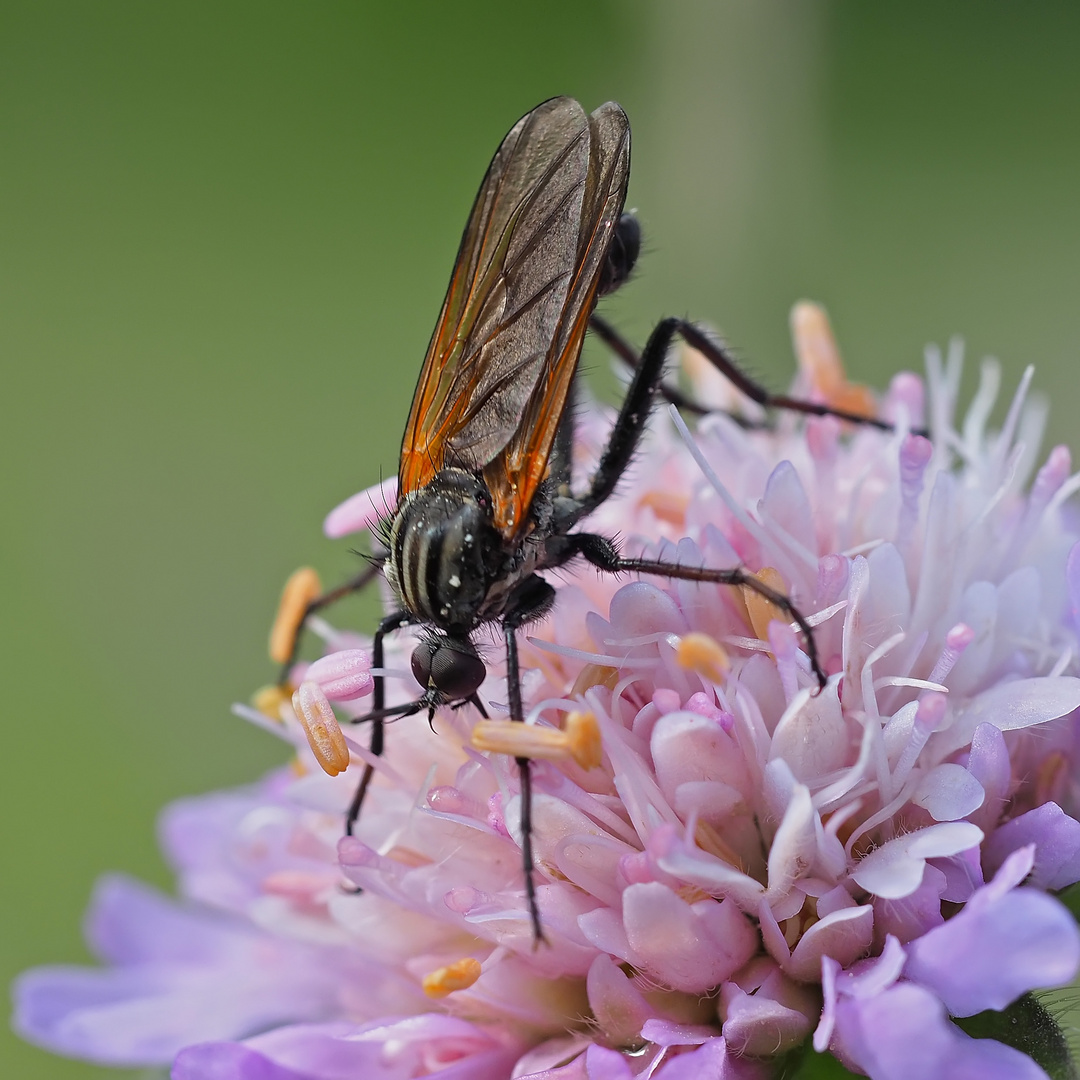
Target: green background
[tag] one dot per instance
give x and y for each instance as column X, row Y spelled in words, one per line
column 225, row 231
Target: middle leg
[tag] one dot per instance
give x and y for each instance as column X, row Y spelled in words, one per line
column 603, row 554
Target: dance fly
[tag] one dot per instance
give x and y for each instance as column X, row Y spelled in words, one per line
column 485, row 503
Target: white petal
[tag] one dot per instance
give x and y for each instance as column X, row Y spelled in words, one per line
column 811, row 735
column 895, row 869
column 949, row 793
column 1008, row 706
column 794, row 847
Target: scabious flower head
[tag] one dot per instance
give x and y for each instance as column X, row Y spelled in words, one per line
column 730, row 864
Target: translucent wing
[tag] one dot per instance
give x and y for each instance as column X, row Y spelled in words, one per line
column 497, row 371
column 514, row 475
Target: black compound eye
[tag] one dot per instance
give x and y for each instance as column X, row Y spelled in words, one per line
column 452, row 667
column 421, row 663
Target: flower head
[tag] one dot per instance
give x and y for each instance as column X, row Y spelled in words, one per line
column 729, row 863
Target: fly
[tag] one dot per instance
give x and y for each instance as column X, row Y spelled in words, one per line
column 485, row 504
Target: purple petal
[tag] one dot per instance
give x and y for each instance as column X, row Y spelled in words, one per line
column 988, row 762
column 604, row 1064
column 1072, row 579
column 428, row 1045
column 184, row 976
column 903, row 1034
column 712, row 1060
column 999, row 946
column 546, row 1059
column 963, row 875
column 913, row 915
column 1056, row 837
column 230, row 1061
column 130, row 923
column 864, row 980
column 596, row 1063
column 225, row 844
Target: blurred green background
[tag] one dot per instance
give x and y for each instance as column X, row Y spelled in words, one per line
column 225, row 231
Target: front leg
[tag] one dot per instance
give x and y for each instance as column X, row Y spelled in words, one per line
column 387, row 625
column 530, row 601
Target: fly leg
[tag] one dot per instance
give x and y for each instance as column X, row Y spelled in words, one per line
column 722, row 360
column 632, row 359
column 629, row 425
column 603, row 554
column 378, row 714
column 532, row 600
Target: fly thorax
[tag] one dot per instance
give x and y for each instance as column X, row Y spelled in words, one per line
column 445, row 551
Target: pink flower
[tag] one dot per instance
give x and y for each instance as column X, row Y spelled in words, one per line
column 750, row 865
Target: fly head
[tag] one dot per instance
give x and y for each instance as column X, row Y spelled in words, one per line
column 451, row 666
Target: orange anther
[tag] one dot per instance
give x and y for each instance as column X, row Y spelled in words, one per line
column 459, row 975
column 703, row 654
column 583, row 739
column 302, row 587
column 762, row 611
column 321, row 728
column 269, row 699
column 820, row 363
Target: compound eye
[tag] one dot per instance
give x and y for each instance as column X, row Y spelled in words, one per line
column 421, row 663
column 452, row 667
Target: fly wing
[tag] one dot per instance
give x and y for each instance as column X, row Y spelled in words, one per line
column 514, row 281
column 518, row 471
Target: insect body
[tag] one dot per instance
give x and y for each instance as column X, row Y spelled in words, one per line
column 485, row 502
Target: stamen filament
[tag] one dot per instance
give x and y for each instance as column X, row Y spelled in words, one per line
column 579, row 739
column 302, row 587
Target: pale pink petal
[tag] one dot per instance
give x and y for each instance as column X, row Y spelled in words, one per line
column 689, row 947
column 361, row 511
